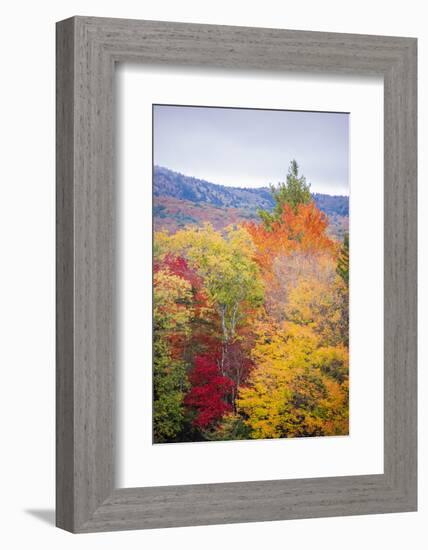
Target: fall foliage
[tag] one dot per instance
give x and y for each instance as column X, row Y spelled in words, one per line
column 251, row 325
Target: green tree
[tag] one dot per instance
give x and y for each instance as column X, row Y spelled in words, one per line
column 169, row 386
column 343, row 260
column 172, row 314
column 231, row 428
column 225, row 262
column 293, row 192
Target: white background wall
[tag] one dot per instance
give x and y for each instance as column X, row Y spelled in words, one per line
column 27, row 272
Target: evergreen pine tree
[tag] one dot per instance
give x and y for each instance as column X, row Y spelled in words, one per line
column 343, row 260
column 294, row 192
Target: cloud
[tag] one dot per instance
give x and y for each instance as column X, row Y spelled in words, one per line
column 253, row 147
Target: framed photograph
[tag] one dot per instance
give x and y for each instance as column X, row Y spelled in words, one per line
column 236, row 274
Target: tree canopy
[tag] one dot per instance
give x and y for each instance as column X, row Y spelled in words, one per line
column 292, row 193
column 251, row 325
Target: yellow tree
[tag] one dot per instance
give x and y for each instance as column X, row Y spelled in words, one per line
column 320, row 301
column 225, row 262
column 172, row 307
column 297, row 388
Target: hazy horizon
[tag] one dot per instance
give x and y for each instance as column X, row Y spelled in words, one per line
column 252, row 148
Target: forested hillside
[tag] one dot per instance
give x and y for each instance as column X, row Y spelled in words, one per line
column 250, row 321
column 183, row 199
column 167, row 183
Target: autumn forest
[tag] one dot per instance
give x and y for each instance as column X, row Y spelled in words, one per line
column 250, row 337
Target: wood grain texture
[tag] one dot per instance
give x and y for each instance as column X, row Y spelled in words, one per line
column 64, row 276
column 87, row 50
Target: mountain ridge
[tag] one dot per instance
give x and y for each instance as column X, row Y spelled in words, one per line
column 169, row 183
column 181, row 199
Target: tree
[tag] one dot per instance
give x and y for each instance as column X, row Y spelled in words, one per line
column 292, row 193
column 231, row 277
column 172, row 303
column 169, row 386
column 343, row 260
column 231, row 427
column 294, row 388
column 237, row 364
column 302, row 230
column 196, row 303
column 208, row 393
column 320, row 302
column 172, row 312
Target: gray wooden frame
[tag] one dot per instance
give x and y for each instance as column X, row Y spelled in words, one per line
column 87, row 50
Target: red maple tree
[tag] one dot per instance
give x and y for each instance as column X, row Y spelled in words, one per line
column 209, row 392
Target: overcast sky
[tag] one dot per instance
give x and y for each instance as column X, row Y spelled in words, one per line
column 252, row 148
